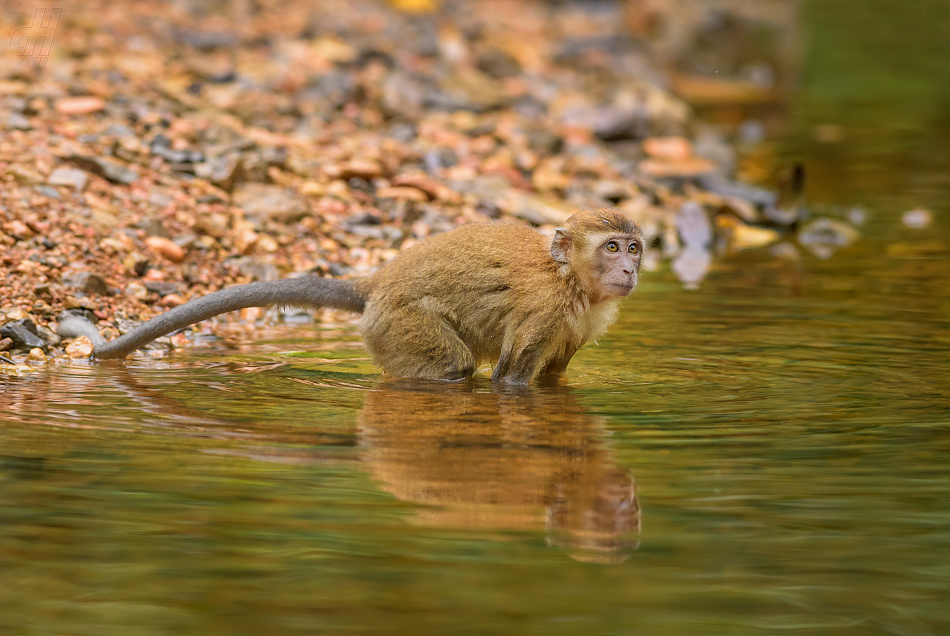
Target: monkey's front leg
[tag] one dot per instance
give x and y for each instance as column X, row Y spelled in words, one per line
column 520, row 364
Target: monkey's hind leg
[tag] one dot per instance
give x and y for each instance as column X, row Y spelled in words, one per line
column 417, row 343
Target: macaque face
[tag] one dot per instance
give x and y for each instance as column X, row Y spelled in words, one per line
column 616, row 263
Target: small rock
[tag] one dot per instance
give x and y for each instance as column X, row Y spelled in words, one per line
column 267, row 244
column 683, row 168
column 80, row 348
column 823, row 237
column 47, row 191
column 172, row 300
column 36, row 355
column 691, row 265
column 72, row 177
column 6, row 343
column 23, row 334
column 226, row 171
column 16, row 121
column 214, row 224
column 918, row 218
column 18, row 230
column 668, row 148
column 402, row 193
column 693, row 225
column 430, row 186
column 87, row 282
column 105, row 168
column 498, row 64
column 364, row 168
column 79, row 105
column 15, row 369
column 857, row 215
column 744, row 237
column 161, row 288
column 270, row 202
column 136, row 290
column 42, row 307
column 537, row 210
column 166, row 247
column 25, row 176
column 312, row 189
column 17, row 314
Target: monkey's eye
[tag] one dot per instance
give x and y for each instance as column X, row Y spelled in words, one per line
column 612, row 246
column 634, row 248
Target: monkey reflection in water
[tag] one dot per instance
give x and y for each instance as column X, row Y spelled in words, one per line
column 527, row 459
column 497, row 460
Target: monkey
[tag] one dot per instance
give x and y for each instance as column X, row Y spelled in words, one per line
column 483, row 292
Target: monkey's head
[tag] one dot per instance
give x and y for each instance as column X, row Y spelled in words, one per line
column 603, row 248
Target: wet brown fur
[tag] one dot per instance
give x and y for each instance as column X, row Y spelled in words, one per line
column 488, row 292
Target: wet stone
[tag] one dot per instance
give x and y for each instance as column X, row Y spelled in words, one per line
column 71, row 177
column 917, row 219
column 161, row 288
column 47, row 191
column 87, row 282
column 16, row 121
column 693, row 225
column 270, row 202
column 823, row 237
column 80, row 348
column 105, row 168
column 22, row 334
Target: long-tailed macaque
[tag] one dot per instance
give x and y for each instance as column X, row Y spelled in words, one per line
column 481, row 293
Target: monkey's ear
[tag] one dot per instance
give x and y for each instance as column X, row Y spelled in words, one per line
column 561, row 245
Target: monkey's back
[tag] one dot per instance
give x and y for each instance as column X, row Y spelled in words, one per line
column 477, row 279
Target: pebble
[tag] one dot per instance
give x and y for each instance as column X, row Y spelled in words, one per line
column 6, row 343
column 918, row 218
column 402, row 193
column 823, row 237
column 36, row 355
column 72, row 177
column 266, row 201
column 748, row 237
column 87, row 282
column 693, row 225
column 665, row 168
column 668, row 148
column 79, row 105
column 80, row 348
column 105, row 168
column 16, row 121
column 136, row 290
column 23, row 335
column 18, row 230
column 166, row 247
column 25, row 176
column 691, row 266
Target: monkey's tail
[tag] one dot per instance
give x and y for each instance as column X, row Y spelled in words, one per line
column 307, row 292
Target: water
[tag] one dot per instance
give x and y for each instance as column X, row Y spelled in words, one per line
column 765, row 454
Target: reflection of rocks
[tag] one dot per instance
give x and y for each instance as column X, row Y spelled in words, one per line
column 824, row 237
column 695, row 231
column 691, row 265
column 693, row 226
column 506, row 462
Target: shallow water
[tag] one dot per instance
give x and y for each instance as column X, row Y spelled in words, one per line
column 767, row 453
